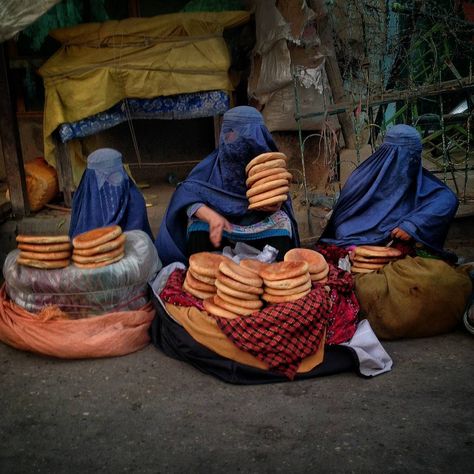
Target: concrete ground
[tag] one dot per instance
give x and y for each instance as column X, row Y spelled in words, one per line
column 148, row 413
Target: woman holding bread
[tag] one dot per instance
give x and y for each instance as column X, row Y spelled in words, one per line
column 391, row 196
column 212, row 207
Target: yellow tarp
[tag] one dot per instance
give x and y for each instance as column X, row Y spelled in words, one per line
column 100, row 64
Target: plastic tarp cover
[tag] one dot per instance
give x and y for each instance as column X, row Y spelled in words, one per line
column 271, row 80
column 16, row 15
column 100, row 64
column 122, row 286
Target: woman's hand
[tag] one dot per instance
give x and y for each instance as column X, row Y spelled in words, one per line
column 217, row 224
column 400, row 234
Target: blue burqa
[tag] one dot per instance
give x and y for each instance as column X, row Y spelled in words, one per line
column 391, row 189
column 106, row 195
column 219, row 182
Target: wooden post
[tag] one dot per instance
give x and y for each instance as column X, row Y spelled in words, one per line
column 10, row 139
column 333, row 72
column 64, row 169
column 217, row 129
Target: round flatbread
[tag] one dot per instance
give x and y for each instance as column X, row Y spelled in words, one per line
column 292, row 291
column 370, row 266
column 289, row 283
column 317, row 263
column 99, row 264
column 232, row 307
column 45, row 248
column 206, row 263
column 215, row 310
column 103, row 248
column 203, row 278
column 251, row 304
column 268, row 165
column 197, row 293
column 240, row 274
column 43, row 239
column 236, row 285
column 236, row 293
column 264, row 157
column 284, row 270
column 43, row 264
column 360, row 258
column 192, row 282
column 376, row 251
column 263, row 174
column 283, row 299
column 269, row 201
column 283, row 175
column 321, row 275
column 96, row 237
column 361, row 270
column 50, row 256
column 254, row 266
column 269, row 194
column 263, row 188
column 103, row 257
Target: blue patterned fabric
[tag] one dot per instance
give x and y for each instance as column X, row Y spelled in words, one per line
column 219, row 182
column 173, row 107
column 391, row 189
column 106, row 195
column 277, row 224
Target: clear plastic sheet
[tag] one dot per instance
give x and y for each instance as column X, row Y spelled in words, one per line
column 122, row 286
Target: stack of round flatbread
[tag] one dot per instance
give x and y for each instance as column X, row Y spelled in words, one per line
column 99, row 247
column 318, row 267
column 369, row 258
column 238, row 292
column 201, row 275
column 267, row 180
column 44, row 251
column 285, row 281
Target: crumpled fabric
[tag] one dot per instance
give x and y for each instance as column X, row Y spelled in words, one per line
column 282, row 335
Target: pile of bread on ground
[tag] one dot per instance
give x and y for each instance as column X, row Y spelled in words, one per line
column 231, row 290
column 93, row 249
column 267, row 180
column 369, row 258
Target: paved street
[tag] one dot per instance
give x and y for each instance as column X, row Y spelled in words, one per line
column 148, row 413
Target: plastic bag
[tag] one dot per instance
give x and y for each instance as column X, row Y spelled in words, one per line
column 80, row 293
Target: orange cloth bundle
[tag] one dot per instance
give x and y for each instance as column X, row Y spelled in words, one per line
column 50, row 333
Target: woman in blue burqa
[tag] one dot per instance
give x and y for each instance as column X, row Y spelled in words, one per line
column 391, row 196
column 208, row 210
column 106, row 195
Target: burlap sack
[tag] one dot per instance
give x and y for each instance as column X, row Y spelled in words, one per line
column 413, row 297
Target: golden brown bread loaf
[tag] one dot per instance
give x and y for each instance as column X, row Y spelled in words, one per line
column 43, row 239
column 95, row 237
column 284, row 270
column 44, row 248
column 102, row 248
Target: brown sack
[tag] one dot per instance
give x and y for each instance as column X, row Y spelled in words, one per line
column 51, row 333
column 413, row 297
column 41, row 183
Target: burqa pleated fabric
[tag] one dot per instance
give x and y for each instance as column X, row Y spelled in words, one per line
column 106, row 195
column 219, row 182
column 391, row 189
